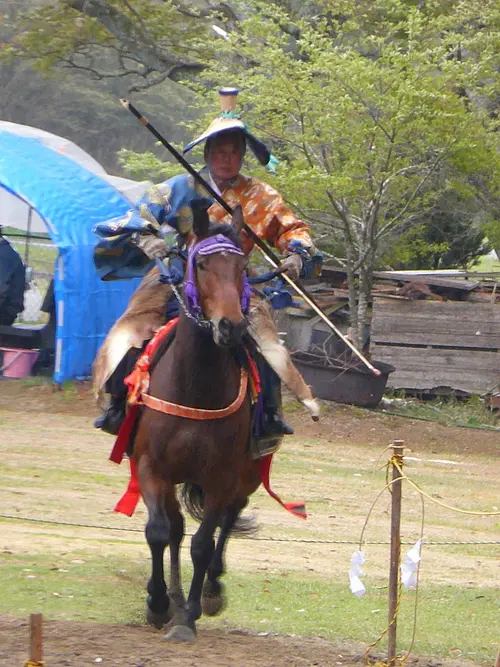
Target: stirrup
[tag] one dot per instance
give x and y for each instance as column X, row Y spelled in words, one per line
column 110, row 421
column 262, row 447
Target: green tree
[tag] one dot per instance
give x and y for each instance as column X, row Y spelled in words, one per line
column 366, row 109
column 450, row 235
column 373, row 106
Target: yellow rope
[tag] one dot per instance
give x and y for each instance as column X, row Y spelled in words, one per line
column 438, row 502
column 384, row 632
column 397, row 462
column 34, row 663
column 398, row 602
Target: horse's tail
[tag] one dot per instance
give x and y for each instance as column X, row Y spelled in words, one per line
column 192, row 498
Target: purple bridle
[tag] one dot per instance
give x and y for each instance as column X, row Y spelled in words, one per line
column 210, row 246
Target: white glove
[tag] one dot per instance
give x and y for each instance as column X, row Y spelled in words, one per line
column 152, row 246
column 293, row 266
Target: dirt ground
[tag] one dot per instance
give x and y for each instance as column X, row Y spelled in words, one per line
column 64, row 416
column 83, row 644
column 86, row 644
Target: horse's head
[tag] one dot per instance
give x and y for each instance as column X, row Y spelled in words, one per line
column 216, row 287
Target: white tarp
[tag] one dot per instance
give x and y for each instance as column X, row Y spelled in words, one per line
column 15, row 212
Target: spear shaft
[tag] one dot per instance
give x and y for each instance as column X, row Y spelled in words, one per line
column 269, row 254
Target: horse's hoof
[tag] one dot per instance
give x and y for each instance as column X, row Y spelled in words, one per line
column 181, row 633
column 158, row 620
column 212, row 603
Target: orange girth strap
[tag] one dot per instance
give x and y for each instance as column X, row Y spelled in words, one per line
column 197, row 413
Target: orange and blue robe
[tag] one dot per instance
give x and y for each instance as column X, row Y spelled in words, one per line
column 167, row 207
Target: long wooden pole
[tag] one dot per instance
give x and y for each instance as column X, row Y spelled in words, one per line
column 273, row 259
column 36, row 652
column 396, row 488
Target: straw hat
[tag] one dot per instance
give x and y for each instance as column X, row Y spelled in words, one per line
column 230, row 120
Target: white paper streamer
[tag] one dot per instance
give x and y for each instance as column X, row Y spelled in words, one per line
column 357, row 586
column 410, row 565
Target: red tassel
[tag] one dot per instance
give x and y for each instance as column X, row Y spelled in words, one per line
column 123, row 436
column 128, row 502
column 297, row 509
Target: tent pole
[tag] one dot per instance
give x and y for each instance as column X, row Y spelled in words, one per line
column 28, row 233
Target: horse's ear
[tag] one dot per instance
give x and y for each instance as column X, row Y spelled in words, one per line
column 201, row 221
column 237, row 221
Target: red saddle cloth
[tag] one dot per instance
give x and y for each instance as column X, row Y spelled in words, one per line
column 138, row 382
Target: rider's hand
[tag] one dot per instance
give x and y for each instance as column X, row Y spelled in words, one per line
column 152, row 246
column 293, row 266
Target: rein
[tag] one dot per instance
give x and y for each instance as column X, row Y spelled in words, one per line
column 190, row 303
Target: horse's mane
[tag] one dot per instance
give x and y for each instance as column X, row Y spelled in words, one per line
column 226, row 230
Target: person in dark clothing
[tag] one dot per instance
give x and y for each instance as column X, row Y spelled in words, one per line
column 12, row 282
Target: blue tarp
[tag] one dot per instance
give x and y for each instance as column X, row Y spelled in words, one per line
column 71, row 200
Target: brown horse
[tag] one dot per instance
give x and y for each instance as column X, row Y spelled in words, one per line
column 210, row 457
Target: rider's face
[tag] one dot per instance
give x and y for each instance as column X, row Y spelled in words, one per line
column 225, row 157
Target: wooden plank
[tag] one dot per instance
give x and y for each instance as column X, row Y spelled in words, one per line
column 418, row 368
column 431, row 339
column 471, row 385
column 437, row 325
column 449, row 283
column 450, row 360
column 478, row 311
column 454, row 324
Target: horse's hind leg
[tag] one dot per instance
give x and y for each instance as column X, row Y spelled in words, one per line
column 213, row 599
column 202, row 548
column 157, row 536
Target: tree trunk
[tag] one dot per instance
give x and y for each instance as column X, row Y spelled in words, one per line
column 364, row 288
column 353, row 296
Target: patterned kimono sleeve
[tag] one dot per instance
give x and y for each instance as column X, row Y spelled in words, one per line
column 283, row 228
column 165, row 203
column 163, row 206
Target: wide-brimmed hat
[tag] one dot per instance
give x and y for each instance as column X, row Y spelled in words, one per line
column 229, row 120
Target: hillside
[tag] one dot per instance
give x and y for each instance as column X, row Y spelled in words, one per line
column 88, row 112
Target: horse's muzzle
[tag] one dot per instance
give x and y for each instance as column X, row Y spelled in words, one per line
column 227, row 334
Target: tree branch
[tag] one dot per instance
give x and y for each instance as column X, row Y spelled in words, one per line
column 134, row 40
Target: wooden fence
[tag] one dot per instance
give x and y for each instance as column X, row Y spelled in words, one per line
column 438, row 344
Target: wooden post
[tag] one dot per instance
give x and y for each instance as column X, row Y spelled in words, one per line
column 497, row 663
column 397, row 453
column 36, row 638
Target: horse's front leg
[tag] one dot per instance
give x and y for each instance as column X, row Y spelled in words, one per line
column 175, row 591
column 213, row 599
column 157, row 536
column 202, row 548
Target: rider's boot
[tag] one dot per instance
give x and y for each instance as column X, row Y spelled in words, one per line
column 273, row 425
column 113, row 416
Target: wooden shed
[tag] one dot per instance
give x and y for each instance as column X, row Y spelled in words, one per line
column 435, row 344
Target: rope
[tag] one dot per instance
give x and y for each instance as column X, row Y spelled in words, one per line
column 393, row 620
column 34, row 663
column 397, row 463
column 438, row 502
column 249, row 537
column 395, row 413
column 414, row 632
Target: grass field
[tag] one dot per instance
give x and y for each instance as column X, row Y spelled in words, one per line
column 293, row 577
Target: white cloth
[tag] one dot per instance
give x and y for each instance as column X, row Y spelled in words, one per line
column 356, row 585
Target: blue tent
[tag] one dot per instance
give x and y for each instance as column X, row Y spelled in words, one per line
column 70, row 200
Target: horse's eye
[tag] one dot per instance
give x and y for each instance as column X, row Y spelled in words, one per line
column 201, row 266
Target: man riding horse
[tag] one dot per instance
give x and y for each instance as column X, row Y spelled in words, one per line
column 128, row 245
